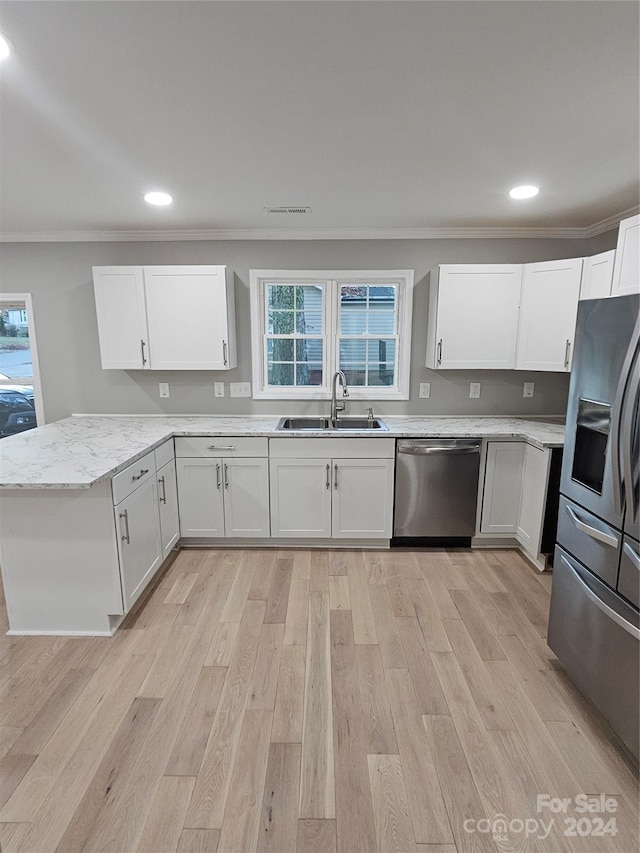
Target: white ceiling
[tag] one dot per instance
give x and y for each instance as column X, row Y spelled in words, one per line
column 383, row 117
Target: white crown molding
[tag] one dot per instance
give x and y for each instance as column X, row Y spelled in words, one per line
column 436, row 233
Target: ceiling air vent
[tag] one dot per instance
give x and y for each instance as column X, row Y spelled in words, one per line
column 288, row 210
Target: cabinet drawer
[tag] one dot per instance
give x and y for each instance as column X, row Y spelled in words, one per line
column 226, row 445
column 164, row 454
column 135, row 475
column 629, row 577
column 590, row 540
column 333, row 448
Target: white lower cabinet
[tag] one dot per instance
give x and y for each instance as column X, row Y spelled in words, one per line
column 345, row 495
column 139, row 543
column 168, row 506
column 535, row 478
column 222, row 495
column 502, row 486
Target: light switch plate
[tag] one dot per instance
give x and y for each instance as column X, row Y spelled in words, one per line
column 218, row 389
column 163, row 388
column 425, row 390
column 528, row 388
column 474, row 390
column 240, row 389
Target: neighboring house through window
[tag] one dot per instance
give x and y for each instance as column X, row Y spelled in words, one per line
column 312, row 323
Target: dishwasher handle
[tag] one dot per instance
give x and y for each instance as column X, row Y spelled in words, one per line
column 426, row 450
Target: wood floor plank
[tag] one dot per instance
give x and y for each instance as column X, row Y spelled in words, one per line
column 319, row 571
column 191, row 741
column 301, row 564
column 339, row 592
column 394, row 829
column 354, row 809
column 262, row 695
column 239, row 592
column 161, row 673
column 288, row 713
column 364, row 626
column 222, row 644
column 241, row 823
column 401, row 602
column 209, row 797
column 12, row 771
column 295, row 627
column 8, row 736
column 389, row 642
column 181, row 588
column 546, row 703
column 279, row 821
column 487, row 643
column 162, row 830
column 337, row 563
column 432, row 571
column 460, row 794
column 427, row 687
column 426, row 804
column 198, row 841
column 263, row 576
column 12, row 836
column 377, row 721
column 427, row 614
column 316, row 836
column 278, row 600
column 317, row 798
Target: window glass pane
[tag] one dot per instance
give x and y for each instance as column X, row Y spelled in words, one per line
column 315, row 373
column 292, row 361
column 356, row 374
column 280, row 322
column 381, row 362
column 280, row 296
column 353, row 310
column 382, row 319
column 280, row 349
column 368, row 309
column 352, row 350
column 17, row 412
column 280, row 374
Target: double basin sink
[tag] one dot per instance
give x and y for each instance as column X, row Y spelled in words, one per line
column 325, row 425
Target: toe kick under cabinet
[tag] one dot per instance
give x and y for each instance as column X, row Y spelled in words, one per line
column 96, row 549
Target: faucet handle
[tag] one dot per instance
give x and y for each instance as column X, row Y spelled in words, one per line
column 370, row 413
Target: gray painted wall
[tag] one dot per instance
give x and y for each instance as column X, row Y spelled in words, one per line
column 59, row 277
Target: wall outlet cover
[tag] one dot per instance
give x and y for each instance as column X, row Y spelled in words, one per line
column 528, row 389
column 163, row 388
column 240, row 389
column 474, row 390
column 425, row 390
column 218, row 389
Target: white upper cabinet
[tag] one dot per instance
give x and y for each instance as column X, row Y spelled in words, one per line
column 166, row 317
column 626, row 270
column 473, row 316
column 548, row 310
column 597, row 275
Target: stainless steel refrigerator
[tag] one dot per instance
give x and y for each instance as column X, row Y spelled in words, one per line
column 594, row 624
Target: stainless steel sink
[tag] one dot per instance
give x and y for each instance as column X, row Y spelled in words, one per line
column 324, row 424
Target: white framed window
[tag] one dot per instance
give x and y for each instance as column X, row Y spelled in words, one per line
column 306, row 324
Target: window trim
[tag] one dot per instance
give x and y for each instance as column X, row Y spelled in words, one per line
column 331, row 280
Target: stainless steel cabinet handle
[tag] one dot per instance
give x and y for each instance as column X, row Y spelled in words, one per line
column 631, row 554
column 218, row 476
column 224, row 352
column 226, row 476
column 427, row 451
column 142, row 346
column 139, row 476
column 439, row 359
column 593, row 532
column 608, row 611
column 221, row 447
column 127, row 536
column 567, row 351
column 335, row 476
column 163, row 499
column 328, row 476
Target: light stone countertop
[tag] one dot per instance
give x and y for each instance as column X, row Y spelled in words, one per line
column 80, row 451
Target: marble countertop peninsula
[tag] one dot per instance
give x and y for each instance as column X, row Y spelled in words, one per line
column 80, row 451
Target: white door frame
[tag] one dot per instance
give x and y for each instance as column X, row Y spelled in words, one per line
column 24, row 299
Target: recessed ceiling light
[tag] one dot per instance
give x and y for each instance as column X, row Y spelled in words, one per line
column 5, row 47
column 524, row 192
column 158, row 198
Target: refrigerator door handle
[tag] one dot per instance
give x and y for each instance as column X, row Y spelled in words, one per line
column 632, row 556
column 617, row 449
column 608, row 611
column 593, row 532
column 626, row 433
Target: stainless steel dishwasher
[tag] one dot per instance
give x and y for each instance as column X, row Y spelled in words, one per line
column 437, row 488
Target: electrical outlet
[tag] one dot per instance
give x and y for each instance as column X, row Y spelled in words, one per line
column 218, row 389
column 527, row 390
column 425, row 390
column 163, row 387
column 474, row 390
column 240, row 389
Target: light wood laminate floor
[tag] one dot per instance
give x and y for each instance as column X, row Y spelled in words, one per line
column 310, row 701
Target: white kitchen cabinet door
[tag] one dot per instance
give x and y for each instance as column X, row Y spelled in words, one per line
column 535, row 479
column 246, row 497
column 597, row 275
column 362, row 498
column 189, row 314
column 502, row 486
column 301, row 498
column 626, row 270
column 473, row 316
column 550, row 293
column 200, row 498
column 122, row 319
column 168, row 507
column 139, row 546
